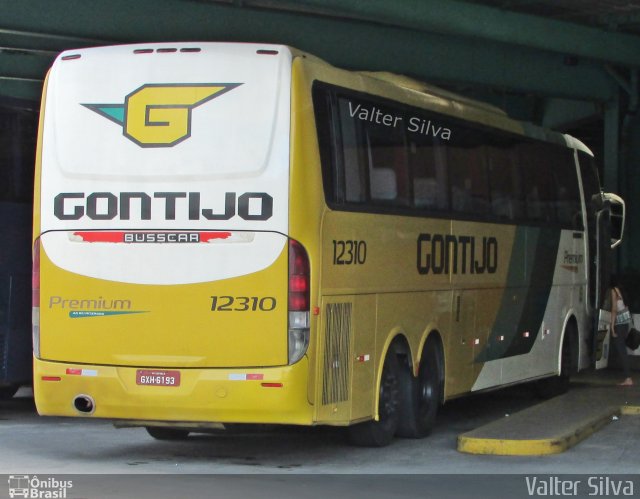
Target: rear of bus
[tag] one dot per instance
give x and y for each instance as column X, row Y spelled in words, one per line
column 166, row 287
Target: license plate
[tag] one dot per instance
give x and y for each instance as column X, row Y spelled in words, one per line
column 157, row 378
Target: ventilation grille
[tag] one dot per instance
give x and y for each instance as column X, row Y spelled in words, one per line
column 335, row 377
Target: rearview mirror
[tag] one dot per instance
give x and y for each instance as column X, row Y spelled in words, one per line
column 618, row 213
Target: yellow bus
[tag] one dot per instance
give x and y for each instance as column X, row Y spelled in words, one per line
column 240, row 233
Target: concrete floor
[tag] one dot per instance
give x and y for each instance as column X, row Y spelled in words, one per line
column 30, row 444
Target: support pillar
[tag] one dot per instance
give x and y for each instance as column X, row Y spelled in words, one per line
column 611, row 135
column 611, row 181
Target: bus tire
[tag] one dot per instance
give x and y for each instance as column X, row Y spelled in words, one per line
column 162, row 433
column 380, row 433
column 420, row 397
column 7, row 392
column 557, row 385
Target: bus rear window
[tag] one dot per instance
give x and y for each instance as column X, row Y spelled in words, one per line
column 221, row 117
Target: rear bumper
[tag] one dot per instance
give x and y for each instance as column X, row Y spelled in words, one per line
column 253, row 395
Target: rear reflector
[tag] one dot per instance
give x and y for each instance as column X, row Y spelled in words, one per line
column 35, row 275
column 81, row 372
column 51, row 378
column 35, row 299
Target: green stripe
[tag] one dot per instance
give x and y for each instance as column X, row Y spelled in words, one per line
column 525, row 299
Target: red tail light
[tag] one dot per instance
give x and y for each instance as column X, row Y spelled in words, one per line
column 299, row 278
column 35, row 275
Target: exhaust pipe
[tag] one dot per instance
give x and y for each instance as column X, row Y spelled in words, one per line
column 84, row 404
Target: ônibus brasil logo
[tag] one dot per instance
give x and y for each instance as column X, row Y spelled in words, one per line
column 159, row 115
column 38, row 488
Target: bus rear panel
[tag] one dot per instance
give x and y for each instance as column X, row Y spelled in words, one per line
column 162, row 261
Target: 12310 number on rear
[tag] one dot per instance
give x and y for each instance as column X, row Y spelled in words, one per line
column 242, row 303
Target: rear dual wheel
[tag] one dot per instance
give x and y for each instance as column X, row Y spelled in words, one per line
column 163, row 433
column 407, row 406
column 420, row 397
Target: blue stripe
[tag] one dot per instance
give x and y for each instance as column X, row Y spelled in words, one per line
column 81, row 314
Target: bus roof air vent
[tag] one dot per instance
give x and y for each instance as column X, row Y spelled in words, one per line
column 168, row 50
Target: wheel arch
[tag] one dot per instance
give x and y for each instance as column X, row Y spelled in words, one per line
column 571, row 333
column 396, row 340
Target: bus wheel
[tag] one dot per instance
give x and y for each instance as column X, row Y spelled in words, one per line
column 7, row 392
column 162, row 433
column 380, row 433
column 557, row 385
column 420, row 397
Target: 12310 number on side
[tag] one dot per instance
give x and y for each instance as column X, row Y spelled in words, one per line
column 349, row 252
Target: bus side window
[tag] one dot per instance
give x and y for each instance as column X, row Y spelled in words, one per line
column 382, row 154
column 427, row 163
column 540, row 189
column 569, row 206
column 505, row 184
column 353, row 160
column 387, row 160
column 383, row 184
column 468, row 180
column 327, row 137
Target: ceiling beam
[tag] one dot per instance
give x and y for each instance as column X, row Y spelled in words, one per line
column 617, row 21
column 50, row 37
column 349, row 43
column 459, row 18
column 21, row 88
column 27, row 51
column 20, row 64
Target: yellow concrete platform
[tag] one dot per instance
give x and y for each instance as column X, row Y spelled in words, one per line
column 557, row 424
